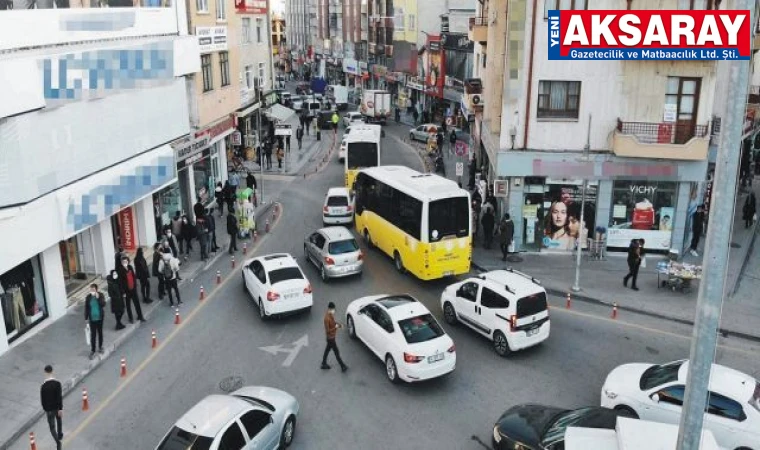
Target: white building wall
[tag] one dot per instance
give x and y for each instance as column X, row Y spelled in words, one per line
column 55, row 288
column 429, row 19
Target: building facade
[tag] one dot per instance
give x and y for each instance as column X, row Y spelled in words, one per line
column 80, row 175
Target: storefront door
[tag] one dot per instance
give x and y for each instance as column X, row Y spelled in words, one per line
column 78, row 260
column 533, row 217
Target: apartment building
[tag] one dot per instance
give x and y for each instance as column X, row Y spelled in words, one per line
column 85, row 147
column 297, row 32
column 637, row 132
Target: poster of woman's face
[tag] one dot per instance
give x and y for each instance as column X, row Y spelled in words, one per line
column 562, row 222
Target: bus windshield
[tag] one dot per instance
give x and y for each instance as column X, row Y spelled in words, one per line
column 448, row 217
column 361, row 154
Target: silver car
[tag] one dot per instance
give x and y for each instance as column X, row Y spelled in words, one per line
column 335, row 252
column 251, row 418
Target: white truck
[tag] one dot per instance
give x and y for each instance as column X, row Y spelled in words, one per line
column 338, row 95
column 376, row 106
column 631, row 434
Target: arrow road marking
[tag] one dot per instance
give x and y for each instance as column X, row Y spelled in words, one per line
column 292, row 352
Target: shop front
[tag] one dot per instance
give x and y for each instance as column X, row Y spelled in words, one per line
column 22, row 298
column 642, row 209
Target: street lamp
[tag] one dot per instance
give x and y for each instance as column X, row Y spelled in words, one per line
column 579, row 242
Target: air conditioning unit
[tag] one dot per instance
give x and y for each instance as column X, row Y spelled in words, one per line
column 475, row 101
column 473, row 89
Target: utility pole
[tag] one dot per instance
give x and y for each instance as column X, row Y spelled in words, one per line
column 579, row 242
column 261, row 145
column 712, row 287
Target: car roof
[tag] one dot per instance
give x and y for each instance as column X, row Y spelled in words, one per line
column 336, row 233
column 402, row 306
column 517, row 283
column 338, row 191
column 726, row 381
column 209, row 416
column 277, row 260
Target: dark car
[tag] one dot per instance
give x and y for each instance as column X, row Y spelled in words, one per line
column 324, row 120
column 538, row 427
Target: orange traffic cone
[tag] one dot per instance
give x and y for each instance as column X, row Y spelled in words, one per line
column 177, row 320
column 245, row 246
column 32, row 443
column 232, row 261
column 153, row 339
column 567, row 302
column 203, row 293
column 85, row 401
column 123, row 367
column 614, row 310
column 218, row 277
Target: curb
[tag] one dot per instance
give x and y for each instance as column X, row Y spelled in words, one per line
column 69, row 385
column 595, row 301
column 751, row 246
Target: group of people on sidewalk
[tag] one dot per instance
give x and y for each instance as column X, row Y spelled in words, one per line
column 484, row 215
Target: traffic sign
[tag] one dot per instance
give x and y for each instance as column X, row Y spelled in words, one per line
column 449, row 120
column 460, row 169
column 460, row 148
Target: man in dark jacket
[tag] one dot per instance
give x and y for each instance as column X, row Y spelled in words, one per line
column 211, row 224
column 229, row 197
column 117, row 298
column 201, row 231
column 198, row 209
column 188, row 233
column 129, row 288
column 634, row 262
column 250, row 181
column 299, row 136
column 154, row 269
column 452, row 140
column 748, row 211
column 506, row 234
column 232, row 230
column 697, row 226
column 94, row 310
column 143, row 274
column 488, row 221
column 51, row 397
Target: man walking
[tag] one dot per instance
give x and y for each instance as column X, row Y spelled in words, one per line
column 129, row 288
column 201, row 229
column 232, row 230
column 154, row 268
column 169, row 269
column 634, row 262
column 51, row 397
column 697, row 226
column 211, row 223
column 94, row 310
column 331, row 331
column 488, row 221
column 299, row 137
column 506, row 234
column 748, row 211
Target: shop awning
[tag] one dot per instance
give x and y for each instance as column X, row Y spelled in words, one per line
column 279, row 112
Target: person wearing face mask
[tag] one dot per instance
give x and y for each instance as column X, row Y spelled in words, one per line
column 94, row 310
column 188, row 232
column 169, row 270
column 129, row 287
column 143, row 274
column 117, row 298
column 170, row 242
column 154, row 269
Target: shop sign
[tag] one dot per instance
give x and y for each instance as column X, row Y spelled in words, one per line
column 283, row 130
column 205, row 153
column 642, row 210
column 670, row 113
column 127, row 229
column 458, row 42
column 251, row 6
column 708, row 197
column 218, row 128
column 211, row 39
column 413, row 83
column 236, row 138
column 562, row 223
column 190, row 148
column 434, row 46
column 350, row 66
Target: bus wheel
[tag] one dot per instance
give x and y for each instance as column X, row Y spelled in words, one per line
column 399, row 263
column 368, row 239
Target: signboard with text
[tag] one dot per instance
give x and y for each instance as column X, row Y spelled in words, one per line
column 127, row 229
column 251, row 6
column 211, row 39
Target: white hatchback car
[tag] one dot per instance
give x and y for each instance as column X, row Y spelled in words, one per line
column 401, row 331
column 655, row 392
column 335, row 252
column 352, row 117
column 338, row 207
column 506, row 306
column 277, row 285
column 342, row 148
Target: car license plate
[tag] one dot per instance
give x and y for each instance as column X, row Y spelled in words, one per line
column 435, row 358
column 532, row 332
column 448, row 273
column 291, row 295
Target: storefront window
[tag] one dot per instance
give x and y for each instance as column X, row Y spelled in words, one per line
column 78, row 260
column 22, row 297
column 642, row 209
column 562, row 214
column 167, row 202
column 202, row 174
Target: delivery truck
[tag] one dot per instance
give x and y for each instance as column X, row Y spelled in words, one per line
column 631, row 434
column 338, row 95
column 376, row 106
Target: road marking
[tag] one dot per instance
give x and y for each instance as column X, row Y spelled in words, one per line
column 292, row 352
column 126, row 382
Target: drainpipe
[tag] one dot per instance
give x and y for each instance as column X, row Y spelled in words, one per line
column 530, row 76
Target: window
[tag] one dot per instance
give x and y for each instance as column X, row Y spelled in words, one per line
column 249, row 76
column 383, row 320
column 180, row 439
column 398, row 19
column 224, row 67
column 262, row 74
column 484, row 60
column 563, row 4
column 721, row 406
column 201, row 6
column 468, row 291
column 643, row 205
column 232, row 439
column 246, row 31
column 448, row 217
column 362, row 154
column 659, row 374
column 284, row 274
column 558, row 99
column 258, row 271
column 420, row 329
column 341, row 247
column 695, row 4
column 208, row 81
column 221, row 10
column 491, row 299
column 337, row 200
column 318, row 240
column 259, row 24
column 409, row 214
column 531, row 304
column 254, row 421
column 672, row 395
column 412, row 22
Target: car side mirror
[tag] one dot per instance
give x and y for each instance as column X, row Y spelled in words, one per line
column 655, row 397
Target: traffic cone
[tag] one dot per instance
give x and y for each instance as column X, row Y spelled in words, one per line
column 232, row 261
column 218, row 277
column 203, row 294
column 85, row 401
column 245, row 245
column 255, row 238
column 123, row 367
column 614, row 310
column 266, row 227
column 274, row 215
column 567, row 302
column 32, row 442
column 153, row 339
column 177, row 319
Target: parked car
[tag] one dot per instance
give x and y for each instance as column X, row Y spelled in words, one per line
column 352, row 117
column 335, row 252
column 506, row 306
column 401, row 332
column 656, row 392
column 296, row 103
column 277, row 285
column 342, row 149
column 253, row 417
column 539, row 427
column 338, row 207
column 422, row 132
column 324, row 120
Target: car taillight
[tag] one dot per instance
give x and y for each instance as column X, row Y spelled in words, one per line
column 453, row 348
column 513, row 323
column 329, row 261
column 349, row 208
column 412, row 358
column 325, row 209
column 307, row 289
column 272, row 296
column 361, row 255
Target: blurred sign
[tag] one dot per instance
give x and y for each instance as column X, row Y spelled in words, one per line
column 449, row 120
column 283, row 130
column 460, row 148
column 460, row 169
column 237, row 138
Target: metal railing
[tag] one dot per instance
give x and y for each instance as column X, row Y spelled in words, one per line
column 662, row 133
column 478, row 22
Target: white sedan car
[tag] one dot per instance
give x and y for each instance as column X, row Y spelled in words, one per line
column 342, row 149
column 401, row 331
column 655, row 392
column 277, row 285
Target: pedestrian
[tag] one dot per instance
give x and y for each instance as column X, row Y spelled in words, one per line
column 335, row 119
column 443, row 126
column 697, row 226
column 280, row 156
column 634, row 262
column 211, row 223
column 416, row 116
column 169, row 269
column 117, row 256
column 232, row 230
column 234, row 180
column 219, row 197
column 287, row 143
column 201, row 231
column 268, row 155
column 143, row 274
column 299, row 136
column 439, row 141
column 748, row 212
column 229, row 196
column 250, row 181
column 176, row 228
column 51, row 397
column 116, row 296
column 331, row 331
column 157, row 251
column 452, row 140
column 302, row 121
column 398, row 114
column 506, row 234
column 188, row 233
column 198, row 209
column 129, row 288
column 170, row 241
column 475, row 220
column 94, row 310
column 488, row 221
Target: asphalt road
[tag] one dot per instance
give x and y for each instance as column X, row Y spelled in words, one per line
column 221, row 337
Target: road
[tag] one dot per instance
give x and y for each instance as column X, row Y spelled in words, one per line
column 221, row 337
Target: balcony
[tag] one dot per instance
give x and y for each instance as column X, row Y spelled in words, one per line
column 661, row 140
column 478, row 29
column 389, row 51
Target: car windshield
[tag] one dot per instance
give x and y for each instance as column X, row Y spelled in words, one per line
column 341, row 247
column 556, row 430
column 285, row 274
column 448, row 217
column 658, row 375
column 361, row 154
column 179, row 439
column 337, row 200
column 420, row 329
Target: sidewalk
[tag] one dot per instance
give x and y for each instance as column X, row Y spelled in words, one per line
column 62, row 344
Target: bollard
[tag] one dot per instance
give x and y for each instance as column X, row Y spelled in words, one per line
column 177, row 319
column 123, row 367
column 255, row 236
column 567, row 303
column 32, row 443
column 203, row 294
column 218, row 277
column 153, row 339
column 614, row 310
column 245, row 247
column 266, row 227
column 232, row 261
column 85, row 401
